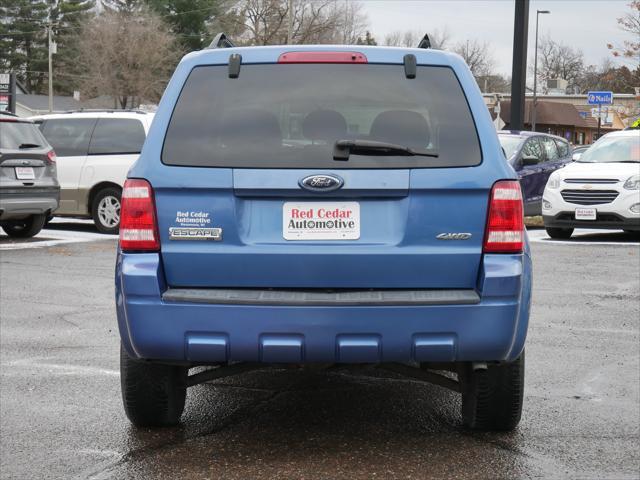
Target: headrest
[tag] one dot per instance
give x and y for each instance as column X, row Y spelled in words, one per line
column 402, row 127
column 327, row 125
column 250, row 126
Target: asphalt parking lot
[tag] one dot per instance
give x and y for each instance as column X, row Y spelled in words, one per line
column 61, row 414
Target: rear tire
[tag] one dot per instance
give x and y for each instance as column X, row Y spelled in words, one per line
column 25, row 228
column 153, row 395
column 105, row 210
column 559, row 233
column 492, row 398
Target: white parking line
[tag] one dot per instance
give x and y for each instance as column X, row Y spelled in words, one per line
column 584, row 237
column 84, row 232
column 59, row 369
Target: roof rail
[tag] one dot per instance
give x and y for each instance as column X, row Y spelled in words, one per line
column 5, row 112
column 221, row 41
column 106, row 110
column 425, row 42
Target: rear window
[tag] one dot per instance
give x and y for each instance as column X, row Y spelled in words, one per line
column 290, row 116
column 69, row 137
column 15, row 134
column 117, row 135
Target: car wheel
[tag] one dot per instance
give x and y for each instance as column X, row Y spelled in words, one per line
column 25, row 228
column 560, row 233
column 492, row 397
column 153, row 395
column 106, row 210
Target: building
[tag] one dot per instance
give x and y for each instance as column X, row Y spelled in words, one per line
column 563, row 121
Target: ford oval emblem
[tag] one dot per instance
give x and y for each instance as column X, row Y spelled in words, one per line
column 321, row 183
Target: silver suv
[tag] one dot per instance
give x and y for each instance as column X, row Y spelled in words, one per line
column 29, row 189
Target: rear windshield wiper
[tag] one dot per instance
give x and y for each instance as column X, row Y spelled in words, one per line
column 28, row 145
column 343, row 148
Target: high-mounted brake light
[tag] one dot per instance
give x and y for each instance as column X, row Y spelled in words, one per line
column 505, row 223
column 138, row 223
column 51, row 155
column 322, row 57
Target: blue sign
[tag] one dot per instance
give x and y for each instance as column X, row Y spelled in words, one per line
column 600, row 98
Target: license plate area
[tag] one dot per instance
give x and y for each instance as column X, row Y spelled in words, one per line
column 586, row 214
column 25, row 173
column 321, row 221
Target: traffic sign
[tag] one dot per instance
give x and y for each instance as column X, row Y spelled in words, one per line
column 600, row 98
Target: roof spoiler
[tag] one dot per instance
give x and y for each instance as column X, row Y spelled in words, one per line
column 425, row 42
column 221, row 41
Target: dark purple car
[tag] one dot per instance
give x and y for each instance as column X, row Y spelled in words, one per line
column 534, row 156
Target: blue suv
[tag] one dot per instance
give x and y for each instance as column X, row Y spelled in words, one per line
column 323, row 205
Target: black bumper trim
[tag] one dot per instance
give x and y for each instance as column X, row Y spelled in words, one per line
column 242, row 296
column 611, row 220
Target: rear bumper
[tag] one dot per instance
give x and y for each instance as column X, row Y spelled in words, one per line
column 193, row 330
column 21, row 202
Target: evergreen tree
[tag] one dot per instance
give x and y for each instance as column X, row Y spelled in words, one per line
column 367, row 40
column 189, row 19
column 23, row 41
column 68, row 17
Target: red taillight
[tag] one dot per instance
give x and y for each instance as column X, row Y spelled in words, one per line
column 51, row 155
column 322, row 57
column 138, row 224
column 505, row 223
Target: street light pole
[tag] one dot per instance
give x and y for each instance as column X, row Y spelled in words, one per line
column 535, row 74
column 50, row 71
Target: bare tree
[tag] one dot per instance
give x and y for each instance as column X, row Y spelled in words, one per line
column 478, row 56
column 266, row 22
column 630, row 23
column 410, row 38
column 556, row 60
column 129, row 56
column 353, row 25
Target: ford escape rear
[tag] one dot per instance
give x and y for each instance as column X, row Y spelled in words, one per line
column 322, row 205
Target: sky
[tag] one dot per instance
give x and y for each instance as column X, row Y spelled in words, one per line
column 584, row 24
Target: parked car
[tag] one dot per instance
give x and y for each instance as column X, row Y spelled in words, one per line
column 95, row 151
column 601, row 190
column 578, row 151
column 29, row 190
column 534, row 156
column 322, row 204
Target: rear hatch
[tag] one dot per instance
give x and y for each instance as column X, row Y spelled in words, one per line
column 26, row 159
column 329, row 176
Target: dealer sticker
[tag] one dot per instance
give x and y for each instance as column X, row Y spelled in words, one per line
column 321, row 221
column 194, row 225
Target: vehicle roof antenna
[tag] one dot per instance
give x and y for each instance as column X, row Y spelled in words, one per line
column 410, row 65
column 425, row 42
column 235, row 60
column 221, row 41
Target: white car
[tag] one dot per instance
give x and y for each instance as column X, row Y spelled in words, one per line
column 95, row 151
column 600, row 190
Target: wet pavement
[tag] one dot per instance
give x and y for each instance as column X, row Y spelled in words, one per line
column 61, row 414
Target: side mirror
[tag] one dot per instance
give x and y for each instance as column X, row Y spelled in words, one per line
column 576, row 156
column 530, row 160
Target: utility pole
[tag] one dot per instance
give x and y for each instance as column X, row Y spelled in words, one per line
column 50, row 70
column 519, row 64
column 534, row 111
column 290, row 22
